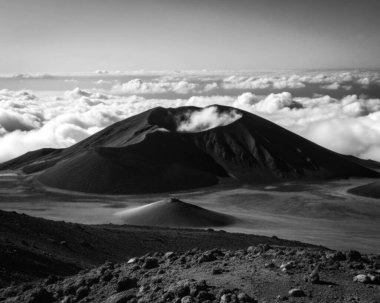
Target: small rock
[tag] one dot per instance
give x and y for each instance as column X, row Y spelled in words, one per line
column 338, row 256
column 207, row 257
column 362, row 279
column 226, row 298
column 286, row 266
column 243, row 297
column 375, row 279
column 51, row 279
column 132, row 260
column 187, row 299
column 121, row 297
column 314, row 279
column 353, row 255
column 82, row 292
column 40, row 295
column 250, row 249
column 180, row 289
column 169, row 255
column 135, row 267
column 296, row 292
column 270, row 265
column 217, row 271
column 204, row 295
column 357, row 265
column 281, row 298
column 263, row 247
column 150, row 263
column 125, row 283
column 67, row 299
column 314, row 275
column 197, row 287
column 107, row 276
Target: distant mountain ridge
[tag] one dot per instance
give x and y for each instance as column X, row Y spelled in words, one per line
column 145, row 154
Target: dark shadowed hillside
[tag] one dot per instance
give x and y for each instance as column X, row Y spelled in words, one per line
column 34, row 248
column 41, row 261
column 371, row 190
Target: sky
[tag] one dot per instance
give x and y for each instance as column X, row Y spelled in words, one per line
column 86, row 35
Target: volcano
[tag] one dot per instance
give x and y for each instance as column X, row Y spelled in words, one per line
column 174, row 213
column 153, row 152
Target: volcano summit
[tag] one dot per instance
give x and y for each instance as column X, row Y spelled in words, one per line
column 168, row 149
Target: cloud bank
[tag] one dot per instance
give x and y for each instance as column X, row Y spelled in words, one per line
column 349, row 124
column 207, row 118
column 138, row 86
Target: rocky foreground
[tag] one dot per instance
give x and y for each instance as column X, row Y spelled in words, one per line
column 34, row 248
column 261, row 273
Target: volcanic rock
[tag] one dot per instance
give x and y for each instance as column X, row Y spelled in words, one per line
column 361, row 279
column 296, row 292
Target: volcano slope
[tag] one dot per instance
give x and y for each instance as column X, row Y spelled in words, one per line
column 147, row 153
column 371, row 190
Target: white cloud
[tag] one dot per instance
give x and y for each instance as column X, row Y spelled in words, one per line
column 239, row 82
column 138, row 86
column 275, row 102
column 207, row 118
column 349, row 124
column 355, row 107
column 11, row 121
column 211, row 86
column 331, row 81
column 263, row 82
column 102, row 82
column 246, row 100
column 354, row 136
column 331, row 86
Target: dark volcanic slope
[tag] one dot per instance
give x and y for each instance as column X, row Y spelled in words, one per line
column 33, row 247
column 371, row 190
column 173, row 212
column 145, row 154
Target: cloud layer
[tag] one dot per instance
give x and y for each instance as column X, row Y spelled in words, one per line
column 349, row 124
column 138, row 86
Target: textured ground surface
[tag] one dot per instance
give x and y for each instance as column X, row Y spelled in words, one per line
column 33, row 248
column 258, row 274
